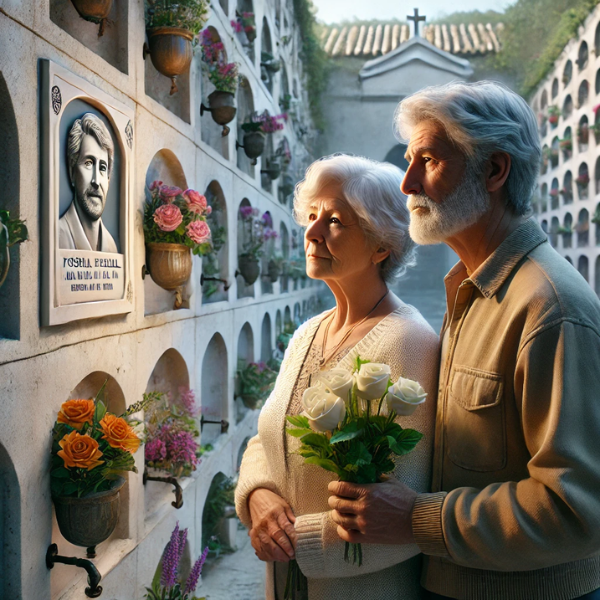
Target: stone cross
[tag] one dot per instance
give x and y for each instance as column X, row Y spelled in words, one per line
column 416, row 18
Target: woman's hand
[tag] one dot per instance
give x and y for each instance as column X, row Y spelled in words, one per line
column 272, row 536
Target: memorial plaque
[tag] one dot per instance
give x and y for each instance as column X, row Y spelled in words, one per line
column 87, row 151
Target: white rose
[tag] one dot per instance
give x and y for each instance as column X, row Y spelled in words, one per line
column 372, row 380
column 404, row 397
column 323, row 408
column 339, row 381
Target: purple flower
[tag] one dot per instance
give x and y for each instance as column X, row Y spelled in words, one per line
column 182, row 447
column 192, row 580
column 170, row 560
column 267, row 220
column 187, row 401
column 181, row 547
column 155, row 449
column 246, row 212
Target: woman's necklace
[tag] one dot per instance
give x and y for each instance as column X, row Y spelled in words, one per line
column 326, row 358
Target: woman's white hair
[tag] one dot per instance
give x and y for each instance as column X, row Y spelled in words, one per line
column 372, row 191
column 482, row 118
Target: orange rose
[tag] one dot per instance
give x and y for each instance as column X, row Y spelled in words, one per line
column 119, row 434
column 80, row 451
column 76, row 412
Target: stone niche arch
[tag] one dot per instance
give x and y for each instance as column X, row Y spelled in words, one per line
column 165, row 167
column 211, row 132
column 583, row 134
column 217, row 263
column 544, row 199
column 10, row 177
column 597, row 223
column 566, row 144
column 278, row 324
column 224, row 6
column 285, row 252
column 568, row 231
column 114, row 398
column 245, row 356
column 567, row 189
column 555, row 88
column 554, row 194
column 266, row 346
column 266, row 54
column 583, row 228
column 583, row 93
column 269, row 249
column 10, row 528
column 245, row 107
column 567, row 73
column 553, row 235
column 583, row 266
column 583, row 56
column 544, row 226
column 297, row 314
column 287, row 317
column 214, row 388
column 597, row 277
column 243, row 289
column 544, row 162
column 544, row 100
column 597, row 40
column 554, row 152
column 583, row 181
column 567, row 109
column 214, row 521
column 247, row 6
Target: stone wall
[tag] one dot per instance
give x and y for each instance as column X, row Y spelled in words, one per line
column 154, row 346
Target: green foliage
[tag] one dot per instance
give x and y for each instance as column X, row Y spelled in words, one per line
column 220, row 495
column 315, row 60
column 256, row 380
column 185, row 14
column 536, row 32
column 17, row 231
column 471, row 16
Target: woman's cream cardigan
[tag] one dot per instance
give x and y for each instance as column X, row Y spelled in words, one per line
column 405, row 342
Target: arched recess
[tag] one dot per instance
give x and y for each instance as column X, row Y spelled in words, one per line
column 544, row 204
column 246, row 6
column 297, row 314
column 287, row 317
column 225, row 6
column 214, row 523
column 10, row 177
column 553, row 235
column 266, row 54
column 583, row 134
column 244, row 230
column 544, row 226
column 583, row 266
column 583, row 181
column 568, row 231
column 555, row 88
column 543, row 165
column 10, row 528
column 544, row 100
column 567, row 189
column 567, row 73
column 213, row 398
column 554, row 152
column 245, row 107
column 597, row 176
column 268, row 154
column 566, row 144
column 269, row 251
column 216, row 264
column 554, row 194
column 114, row 398
column 583, row 93
column 211, row 132
column 583, row 228
column 245, row 356
column 597, row 276
column 165, row 167
column 278, row 324
column 583, row 56
column 597, row 40
column 567, row 109
column 266, row 346
column 596, row 220
column 285, row 252
column 285, row 98
column 597, row 83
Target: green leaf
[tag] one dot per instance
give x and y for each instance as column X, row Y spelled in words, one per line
column 349, row 432
column 326, row 464
column 298, row 432
column 307, row 452
column 100, row 411
column 385, row 466
column 299, row 421
column 405, row 442
column 316, row 439
column 358, row 362
column 60, row 473
column 359, row 455
column 367, row 474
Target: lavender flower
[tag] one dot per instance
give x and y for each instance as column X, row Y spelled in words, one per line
column 192, row 580
column 182, row 448
column 187, row 401
column 170, row 560
column 182, row 540
column 155, row 449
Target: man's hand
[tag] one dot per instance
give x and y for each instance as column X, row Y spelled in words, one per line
column 272, row 536
column 376, row 513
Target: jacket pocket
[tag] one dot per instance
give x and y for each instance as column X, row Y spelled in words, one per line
column 475, row 429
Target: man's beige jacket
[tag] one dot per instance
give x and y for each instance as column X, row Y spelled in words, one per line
column 515, row 512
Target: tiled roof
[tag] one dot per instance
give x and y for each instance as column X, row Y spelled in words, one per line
column 375, row 40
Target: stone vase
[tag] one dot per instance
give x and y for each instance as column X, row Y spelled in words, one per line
column 4, row 253
column 89, row 520
column 273, row 169
column 222, row 108
column 254, row 143
column 169, row 265
column 248, row 268
column 250, row 401
column 96, row 11
column 274, row 271
column 170, row 51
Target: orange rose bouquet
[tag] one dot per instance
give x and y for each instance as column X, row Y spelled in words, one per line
column 91, row 447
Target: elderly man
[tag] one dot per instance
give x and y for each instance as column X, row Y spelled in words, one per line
column 90, row 152
column 515, row 507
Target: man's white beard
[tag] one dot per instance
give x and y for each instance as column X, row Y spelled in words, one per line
column 460, row 209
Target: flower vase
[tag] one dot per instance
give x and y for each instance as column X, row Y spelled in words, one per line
column 95, row 11
column 170, row 266
column 274, row 271
column 4, row 253
column 248, row 268
column 91, row 519
column 171, row 52
column 221, row 106
column 254, row 143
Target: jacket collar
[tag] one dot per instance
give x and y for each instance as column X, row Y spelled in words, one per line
column 490, row 276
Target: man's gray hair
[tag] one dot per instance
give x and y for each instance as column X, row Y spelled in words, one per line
column 89, row 124
column 480, row 119
column 372, row 191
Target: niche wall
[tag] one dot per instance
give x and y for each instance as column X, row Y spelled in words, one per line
column 266, row 346
column 215, row 377
column 10, row 528
column 245, row 355
column 245, row 107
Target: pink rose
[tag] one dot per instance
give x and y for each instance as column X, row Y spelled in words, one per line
column 196, row 202
column 168, row 217
column 155, row 185
column 169, row 192
column 198, row 232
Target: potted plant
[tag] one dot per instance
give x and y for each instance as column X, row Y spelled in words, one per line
column 256, row 380
column 245, row 22
column 553, row 193
column 275, row 267
column 583, row 181
column 174, row 227
column 596, row 217
column 210, row 265
column 172, row 431
column 566, row 145
column 91, row 447
column 171, row 26
column 12, row 232
column 285, row 102
column 563, row 230
column 566, row 194
column 255, row 231
column 95, row 11
column 224, row 76
column 166, row 584
column 269, row 62
column 553, row 115
column 273, row 169
column 255, row 128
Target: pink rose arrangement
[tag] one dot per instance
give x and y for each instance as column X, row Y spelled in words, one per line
column 223, row 75
column 177, row 216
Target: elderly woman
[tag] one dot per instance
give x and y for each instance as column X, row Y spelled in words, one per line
column 357, row 242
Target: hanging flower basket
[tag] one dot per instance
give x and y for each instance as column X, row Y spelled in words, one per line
column 169, row 265
column 248, row 268
column 274, row 270
column 91, row 519
column 171, row 52
column 222, row 108
column 95, row 11
column 254, row 144
column 273, row 169
column 288, row 184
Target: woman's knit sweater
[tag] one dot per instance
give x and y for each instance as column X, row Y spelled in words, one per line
column 405, row 342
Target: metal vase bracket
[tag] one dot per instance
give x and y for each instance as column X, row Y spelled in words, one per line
column 170, row 49
column 226, row 284
column 223, row 423
column 94, row 590
column 178, row 502
column 95, row 11
column 221, row 106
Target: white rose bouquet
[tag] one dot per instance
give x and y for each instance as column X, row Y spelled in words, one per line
column 349, row 427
